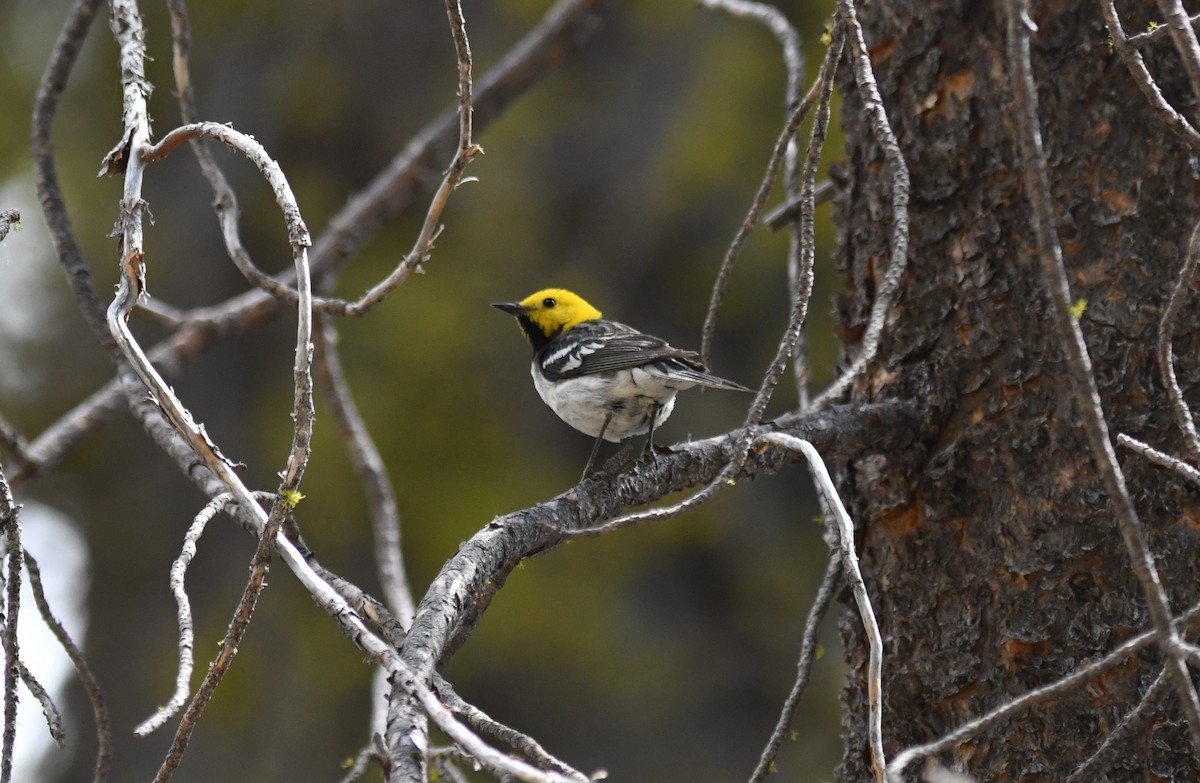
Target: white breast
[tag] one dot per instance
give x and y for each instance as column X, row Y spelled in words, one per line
column 628, row 395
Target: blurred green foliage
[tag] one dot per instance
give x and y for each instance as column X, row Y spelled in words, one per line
column 661, row 653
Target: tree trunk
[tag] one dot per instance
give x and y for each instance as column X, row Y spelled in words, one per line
column 991, row 554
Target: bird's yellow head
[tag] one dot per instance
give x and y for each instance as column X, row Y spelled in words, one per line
column 548, row 313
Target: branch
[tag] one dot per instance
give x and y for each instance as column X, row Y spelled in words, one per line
column 462, row 591
column 466, row 152
column 368, row 462
column 849, row 561
column 1166, row 358
column 791, row 335
column 1082, row 381
column 45, row 173
column 187, row 634
column 10, row 521
column 565, row 28
column 897, row 170
column 10, row 219
column 1141, row 76
column 1160, row 458
column 808, row 651
column 1134, row 720
column 99, row 710
column 1002, row 713
column 259, row 565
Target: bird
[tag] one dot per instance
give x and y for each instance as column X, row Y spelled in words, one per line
column 605, row 379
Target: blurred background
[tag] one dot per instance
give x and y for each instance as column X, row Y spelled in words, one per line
column 660, row 653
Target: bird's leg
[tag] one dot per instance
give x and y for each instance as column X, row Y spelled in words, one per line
column 596, row 448
column 650, row 438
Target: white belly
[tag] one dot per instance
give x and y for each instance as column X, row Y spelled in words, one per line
column 628, row 395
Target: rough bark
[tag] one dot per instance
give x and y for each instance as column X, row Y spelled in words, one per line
column 990, row 550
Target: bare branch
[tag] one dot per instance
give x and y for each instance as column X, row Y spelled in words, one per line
column 99, row 710
column 1002, row 713
column 897, row 169
column 1157, row 33
column 187, row 633
column 13, row 442
column 1184, row 37
column 45, row 172
column 787, row 343
column 808, row 651
column 54, row 721
column 467, row 150
column 1160, row 458
column 1133, row 721
column 1141, row 76
column 463, row 589
column 849, row 562
column 259, row 565
column 10, row 521
column 774, row 20
column 9, row 219
column 367, row 461
column 1083, row 382
column 752, row 218
column 486, row 726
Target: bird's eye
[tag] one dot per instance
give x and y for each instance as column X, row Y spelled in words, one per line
column 548, row 302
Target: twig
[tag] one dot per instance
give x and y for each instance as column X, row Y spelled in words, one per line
column 491, row 759
column 54, row 721
column 381, row 499
column 1132, row 721
column 849, row 563
column 45, row 173
column 759, row 203
column 10, row 520
column 487, row 726
column 1141, row 76
column 406, row 732
column 187, row 634
column 13, row 442
column 362, row 760
column 1002, row 713
column 788, row 211
column 1157, row 33
column 368, row 462
column 45, row 451
column 466, row 152
column 565, row 28
column 775, row 21
column 9, row 219
column 225, row 200
column 1160, row 458
column 99, row 710
column 1184, row 37
column 1082, row 381
column 808, row 651
column 259, row 565
column 881, row 129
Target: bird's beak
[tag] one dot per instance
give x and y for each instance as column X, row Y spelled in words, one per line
column 512, row 308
